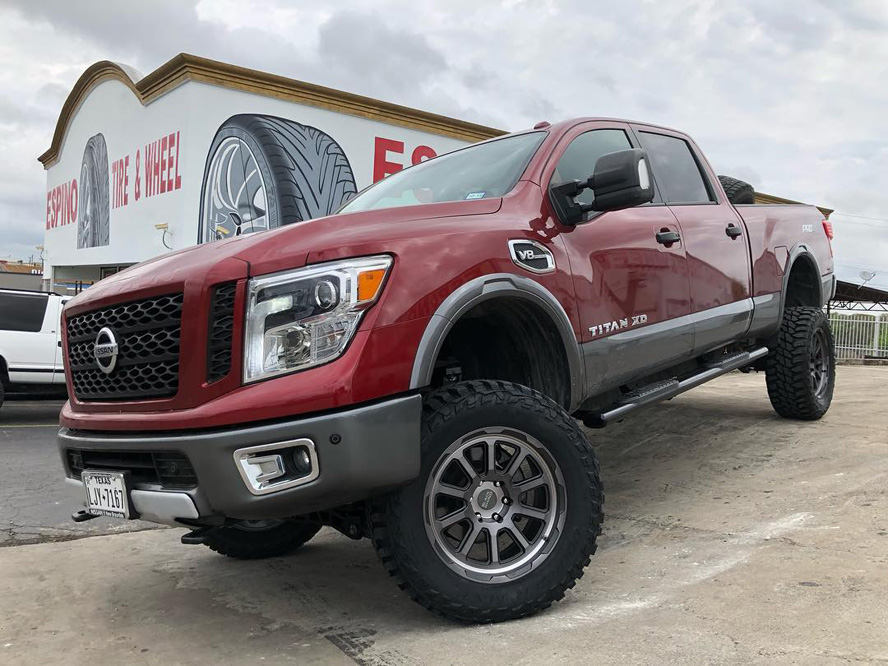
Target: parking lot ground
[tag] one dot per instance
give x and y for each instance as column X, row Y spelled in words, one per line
column 34, row 506
column 732, row 536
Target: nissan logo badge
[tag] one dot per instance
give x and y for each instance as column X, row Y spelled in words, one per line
column 106, row 350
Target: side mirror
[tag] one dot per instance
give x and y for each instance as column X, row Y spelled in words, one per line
column 620, row 180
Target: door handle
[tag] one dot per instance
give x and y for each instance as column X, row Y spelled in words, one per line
column 667, row 237
column 732, row 230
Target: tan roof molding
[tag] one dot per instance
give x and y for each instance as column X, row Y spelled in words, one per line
column 185, row 67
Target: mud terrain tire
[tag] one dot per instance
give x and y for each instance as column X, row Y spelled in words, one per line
column 801, row 367
column 404, row 529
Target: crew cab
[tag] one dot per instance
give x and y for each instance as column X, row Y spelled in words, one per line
column 413, row 368
column 30, row 343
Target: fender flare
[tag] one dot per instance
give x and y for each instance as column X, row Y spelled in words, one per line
column 484, row 288
column 800, row 252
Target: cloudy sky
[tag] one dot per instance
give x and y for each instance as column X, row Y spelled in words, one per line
column 789, row 95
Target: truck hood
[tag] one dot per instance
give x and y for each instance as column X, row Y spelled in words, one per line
column 354, row 234
column 292, row 246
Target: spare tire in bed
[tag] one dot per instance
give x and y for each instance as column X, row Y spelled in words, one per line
column 738, row 192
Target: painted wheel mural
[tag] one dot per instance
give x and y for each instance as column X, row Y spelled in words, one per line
column 264, row 172
column 94, row 192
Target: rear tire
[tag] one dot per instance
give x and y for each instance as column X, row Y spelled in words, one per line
column 738, row 192
column 254, row 540
column 801, row 367
column 485, row 573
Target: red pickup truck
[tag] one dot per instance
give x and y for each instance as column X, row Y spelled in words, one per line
column 413, row 368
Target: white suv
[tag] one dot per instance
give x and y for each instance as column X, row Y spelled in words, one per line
column 30, row 342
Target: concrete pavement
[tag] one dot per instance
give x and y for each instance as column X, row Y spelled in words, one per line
column 34, row 506
column 732, row 536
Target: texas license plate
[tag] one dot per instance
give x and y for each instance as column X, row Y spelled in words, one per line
column 106, row 493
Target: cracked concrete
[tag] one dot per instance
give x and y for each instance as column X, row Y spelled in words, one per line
column 732, row 536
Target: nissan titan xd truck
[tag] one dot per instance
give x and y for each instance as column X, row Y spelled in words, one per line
column 414, row 369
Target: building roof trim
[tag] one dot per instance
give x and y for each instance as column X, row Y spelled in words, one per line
column 186, row 67
column 762, row 198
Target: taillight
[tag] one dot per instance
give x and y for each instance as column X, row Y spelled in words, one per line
column 828, row 228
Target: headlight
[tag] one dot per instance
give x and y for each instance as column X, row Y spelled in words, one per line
column 302, row 318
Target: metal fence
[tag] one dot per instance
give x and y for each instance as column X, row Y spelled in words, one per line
column 859, row 335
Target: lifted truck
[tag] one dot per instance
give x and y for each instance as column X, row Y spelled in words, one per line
column 411, row 368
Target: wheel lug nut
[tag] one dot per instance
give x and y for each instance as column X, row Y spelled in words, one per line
column 506, row 500
column 478, row 516
column 498, row 483
column 498, row 518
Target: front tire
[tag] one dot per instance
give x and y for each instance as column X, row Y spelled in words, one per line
column 258, row 539
column 505, row 513
column 801, row 367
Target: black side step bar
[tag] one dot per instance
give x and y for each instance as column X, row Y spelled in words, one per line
column 669, row 388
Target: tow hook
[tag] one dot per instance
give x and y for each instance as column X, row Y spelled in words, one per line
column 199, row 536
column 82, row 516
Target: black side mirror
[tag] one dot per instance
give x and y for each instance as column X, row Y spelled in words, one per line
column 620, row 180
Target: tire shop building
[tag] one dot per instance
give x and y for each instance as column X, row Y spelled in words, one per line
column 200, row 150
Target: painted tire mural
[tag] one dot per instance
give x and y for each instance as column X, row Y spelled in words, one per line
column 264, row 172
column 94, row 193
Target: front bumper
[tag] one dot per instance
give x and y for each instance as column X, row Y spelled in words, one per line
column 376, row 449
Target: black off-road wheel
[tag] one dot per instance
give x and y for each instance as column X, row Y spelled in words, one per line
column 506, row 511
column 801, row 367
column 258, row 539
column 738, row 192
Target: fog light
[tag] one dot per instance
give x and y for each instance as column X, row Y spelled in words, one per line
column 268, row 468
column 302, row 461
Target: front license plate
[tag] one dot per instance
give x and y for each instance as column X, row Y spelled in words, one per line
column 106, row 493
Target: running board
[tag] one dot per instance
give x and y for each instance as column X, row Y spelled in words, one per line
column 669, row 388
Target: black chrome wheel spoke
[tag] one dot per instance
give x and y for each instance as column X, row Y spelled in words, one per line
column 470, row 540
column 530, row 512
column 517, row 535
column 493, row 544
column 451, row 519
column 450, row 491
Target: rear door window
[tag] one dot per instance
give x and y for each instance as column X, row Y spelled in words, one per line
column 22, row 312
column 578, row 161
column 675, row 169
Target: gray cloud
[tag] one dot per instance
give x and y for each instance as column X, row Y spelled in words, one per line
column 784, row 94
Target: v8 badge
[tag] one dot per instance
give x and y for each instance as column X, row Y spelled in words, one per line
column 531, row 256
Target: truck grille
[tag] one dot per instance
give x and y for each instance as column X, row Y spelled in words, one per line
column 220, row 335
column 169, row 469
column 148, row 336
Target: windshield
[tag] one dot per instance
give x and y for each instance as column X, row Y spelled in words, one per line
column 483, row 171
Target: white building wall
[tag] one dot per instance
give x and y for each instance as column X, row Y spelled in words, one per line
column 192, row 112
